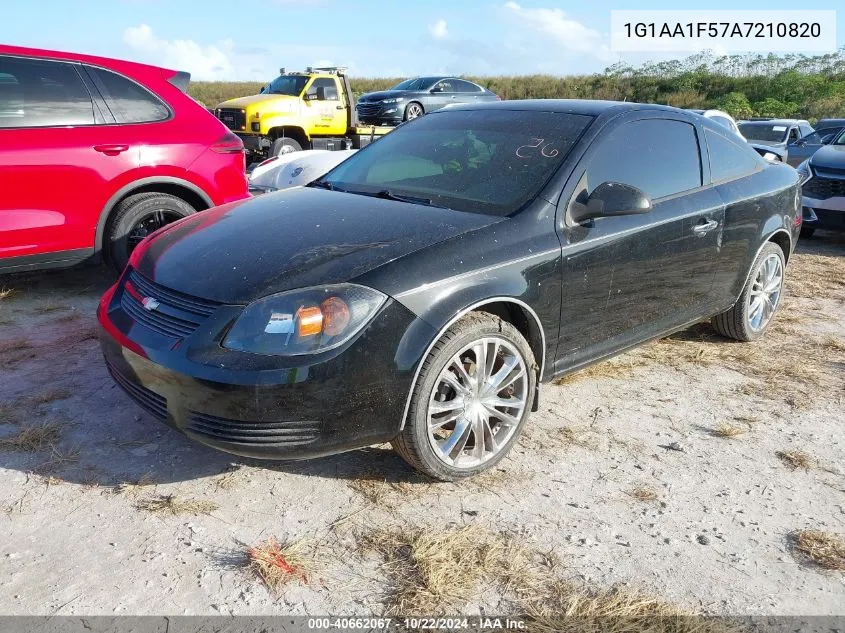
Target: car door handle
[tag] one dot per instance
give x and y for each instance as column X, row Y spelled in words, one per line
column 340, row 107
column 111, row 149
column 705, row 227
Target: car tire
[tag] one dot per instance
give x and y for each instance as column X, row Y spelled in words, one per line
column 136, row 217
column 807, row 232
column 285, row 145
column 760, row 297
column 420, row 447
column 413, row 110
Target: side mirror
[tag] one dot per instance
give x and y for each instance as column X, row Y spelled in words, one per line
column 800, row 142
column 311, row 96
column 611, row 199
column 321, row 93
column 436, row 89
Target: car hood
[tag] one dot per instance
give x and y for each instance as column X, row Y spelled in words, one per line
column 295, row 238
column 387, row 94
column 244, row 102
column 830, row 156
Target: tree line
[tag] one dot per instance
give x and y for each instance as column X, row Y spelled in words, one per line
column 794, row 85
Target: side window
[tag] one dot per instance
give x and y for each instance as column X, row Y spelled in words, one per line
column 465, row 86
column 793, row 134
column 128, row 101
column 447, row 85
column 722, row 121
column 658, row 156
column 36, row 93
column 729, row 160
column 824, row 136
column 329, row 88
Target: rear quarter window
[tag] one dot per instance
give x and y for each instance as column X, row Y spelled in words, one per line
column 730, row 160
column 129, row 101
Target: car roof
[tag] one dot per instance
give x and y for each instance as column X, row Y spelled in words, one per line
column 774, row 122
column 95, row 60
column 568, row 106
column 831, row 122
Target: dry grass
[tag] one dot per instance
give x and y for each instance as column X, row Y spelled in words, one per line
column 728, row 430
column 175, row 506
column 47, row 308
column 31, row 439
column 823, row 548
column 9, row 413
column 621, row 367
column 14, row 351
column 796, row 459
column 51, row 395
column 815, row 276
column 436, row 571
column 228, row 478
column 133, row 488
column 278, row 565
column 643, row 493
column 6, row 293
column 58, row 459
column 378, row 490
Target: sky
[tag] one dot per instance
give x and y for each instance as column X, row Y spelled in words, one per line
column 233, row 40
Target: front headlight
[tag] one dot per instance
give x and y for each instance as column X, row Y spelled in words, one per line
column 393, row 100
column 304, row 321
column 804, row 171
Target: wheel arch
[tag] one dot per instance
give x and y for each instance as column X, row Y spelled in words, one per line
column 515, row 311
column 178, row 187
column 290, row 131
column 783, row 239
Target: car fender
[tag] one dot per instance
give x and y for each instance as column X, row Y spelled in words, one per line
column 139, row 183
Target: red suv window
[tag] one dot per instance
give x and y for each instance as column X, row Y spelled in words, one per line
column 129, row 102
column 35, row 93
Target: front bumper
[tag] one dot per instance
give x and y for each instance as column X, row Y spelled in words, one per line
column 380, row 114
column 263, row 406
column 824, row 214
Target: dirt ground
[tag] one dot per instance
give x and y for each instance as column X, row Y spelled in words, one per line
column 685, row 470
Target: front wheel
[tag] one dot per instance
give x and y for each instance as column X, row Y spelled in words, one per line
column 413, row 111
column 136, row 217
column 749, row 318
column 285, row 146
column 471, row 399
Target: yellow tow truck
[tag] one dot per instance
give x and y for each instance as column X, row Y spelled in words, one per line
column 314, row 109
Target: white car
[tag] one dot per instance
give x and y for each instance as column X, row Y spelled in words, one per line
column 722, row 118
column 294, row 169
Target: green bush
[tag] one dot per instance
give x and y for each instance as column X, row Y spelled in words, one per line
column 777, row 85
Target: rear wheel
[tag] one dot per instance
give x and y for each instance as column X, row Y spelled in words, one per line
column 136, row 217
column 471, row 399
column 285, row 145
column 413, row 111
column 749, row 318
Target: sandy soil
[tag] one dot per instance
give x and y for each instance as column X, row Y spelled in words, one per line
column 625, row 474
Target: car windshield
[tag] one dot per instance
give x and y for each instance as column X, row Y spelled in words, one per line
column 764, row 132
column 290, row 85
column 480, row 161
column 420, row 83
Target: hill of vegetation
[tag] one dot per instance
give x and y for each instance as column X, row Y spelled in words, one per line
column 793, row 85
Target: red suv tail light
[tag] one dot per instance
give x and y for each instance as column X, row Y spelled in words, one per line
column 229, row 144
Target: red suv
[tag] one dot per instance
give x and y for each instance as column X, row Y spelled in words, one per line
column 97, row 153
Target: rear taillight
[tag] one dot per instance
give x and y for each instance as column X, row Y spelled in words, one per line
column 229, row 144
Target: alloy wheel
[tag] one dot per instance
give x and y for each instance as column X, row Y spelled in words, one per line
column 477, row 402
column 147, row 224
column 414, row 111
column 765, row 293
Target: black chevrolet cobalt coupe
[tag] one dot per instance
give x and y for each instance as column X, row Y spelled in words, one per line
column 420, row 291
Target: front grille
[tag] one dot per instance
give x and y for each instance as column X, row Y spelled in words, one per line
column 149, row 400
column 366, row 110
column 823, row 188
column 175, row 315
column 257, row 433
column 232, row 118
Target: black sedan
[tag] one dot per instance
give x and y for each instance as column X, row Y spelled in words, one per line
column 420, row 291
column 414, row 97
